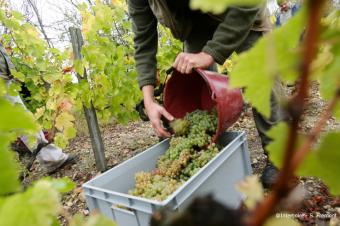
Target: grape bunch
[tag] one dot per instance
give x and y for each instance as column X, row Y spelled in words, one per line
column 190, row 149
column 153, row 186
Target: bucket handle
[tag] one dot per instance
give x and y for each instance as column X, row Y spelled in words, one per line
column 169, row 71
column 213, row 95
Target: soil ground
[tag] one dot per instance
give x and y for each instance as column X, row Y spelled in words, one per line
column 124, row 141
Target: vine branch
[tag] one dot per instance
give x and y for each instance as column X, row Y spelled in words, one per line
column 295, row 108
column 40, row 22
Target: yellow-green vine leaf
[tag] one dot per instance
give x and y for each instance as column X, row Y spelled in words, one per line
column 64, row 120
column 8, row 168
column 324, row 162
column 252, row 189
column 275, row 148
column 38, row 206
column 273, row 57
column 15, row 118
column 93, row 220
column 280, row 221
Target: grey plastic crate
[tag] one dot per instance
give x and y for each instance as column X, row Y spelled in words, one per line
column 108, row 192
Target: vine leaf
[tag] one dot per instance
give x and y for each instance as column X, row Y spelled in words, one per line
column 62, row 185
column 3, row 90
column 273, row 57
column 275, row 148
column 327, row 65
column 37, row 206
column 88, row 22
column 12, row 119
column 8, row 167
column 93, row 220
column 9, row 123
column 64, row 121
column 18, row 75
column 252, row 189
column 329, row 80
column 324, row 162
column 279, row 221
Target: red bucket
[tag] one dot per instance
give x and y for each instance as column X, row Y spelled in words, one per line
column 203, row 90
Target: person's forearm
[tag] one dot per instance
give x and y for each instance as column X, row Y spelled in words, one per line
column 148, row 94
column 144, row 26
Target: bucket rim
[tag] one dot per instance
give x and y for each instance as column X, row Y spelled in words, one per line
column 213, row 97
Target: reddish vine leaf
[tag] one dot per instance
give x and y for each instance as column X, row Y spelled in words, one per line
column 67, row 69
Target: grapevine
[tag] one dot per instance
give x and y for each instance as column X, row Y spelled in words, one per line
column 190, row 149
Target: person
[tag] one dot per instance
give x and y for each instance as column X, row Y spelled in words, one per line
column 208, row 39
column 50, row 156
column 286, row 10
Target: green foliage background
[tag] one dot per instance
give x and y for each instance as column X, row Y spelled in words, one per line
column 56, row 98
column 110, row 85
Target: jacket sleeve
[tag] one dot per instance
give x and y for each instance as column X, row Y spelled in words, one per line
column 231, row 32
column 144, row 26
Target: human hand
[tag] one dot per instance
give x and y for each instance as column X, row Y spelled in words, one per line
column 185, row 62
column 155, row 112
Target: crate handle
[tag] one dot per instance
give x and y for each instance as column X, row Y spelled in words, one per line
column 124, row 216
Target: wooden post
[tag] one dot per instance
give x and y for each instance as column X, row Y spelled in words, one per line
column 90, row 113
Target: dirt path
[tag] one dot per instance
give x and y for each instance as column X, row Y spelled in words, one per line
column 124, row 141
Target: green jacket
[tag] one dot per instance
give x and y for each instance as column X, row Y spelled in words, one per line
column 232, row 28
